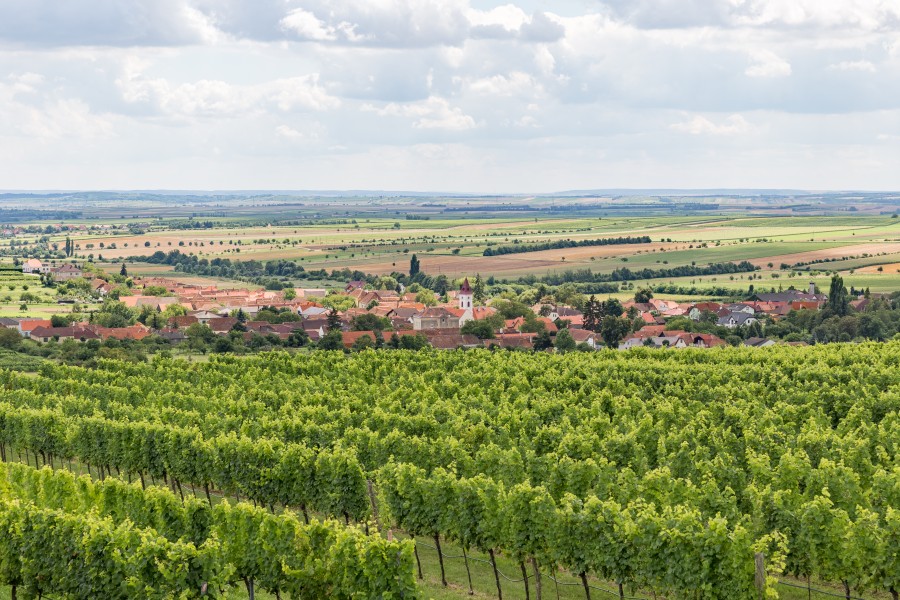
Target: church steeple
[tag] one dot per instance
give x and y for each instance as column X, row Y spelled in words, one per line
column 465, row 295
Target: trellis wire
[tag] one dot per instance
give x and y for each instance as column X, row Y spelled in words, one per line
column 553, row 579
column 818, row 591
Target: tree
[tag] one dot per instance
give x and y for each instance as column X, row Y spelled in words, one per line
column 543, row 341
column 478, row 290
column 199, row 336
column 564, row 341
column 297, row 339
column 592, row 314
column 114, row 314
column 613, row 330
column 386, row 282
column 174, row 310
column 123, row 271
column 369, row 322
column 755, row 330
column 10, row 338
column 363, row 342
column 643, row 295
column 426, row 297
column 338, row 302
column 483, row 329
column 414, row 266
column 611, row 308
column 838, row 298
column 59, row 321
column 290, row 294
column 333, row 322
column 333, row 340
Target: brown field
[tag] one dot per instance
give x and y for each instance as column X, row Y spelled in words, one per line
column 886, row 268
column 826, row 253
column 501, row 266
column 383, row 245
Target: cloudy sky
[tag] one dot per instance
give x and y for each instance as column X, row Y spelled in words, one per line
column 449, row 95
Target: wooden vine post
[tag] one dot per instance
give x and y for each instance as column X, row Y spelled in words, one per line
column 760, row 580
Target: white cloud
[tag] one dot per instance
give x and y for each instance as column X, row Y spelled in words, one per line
column 767, row 64
column 50, row 23
column 515, row 83
column 433, row 113
column 307, row 26
column 296, row 135
column 213, row 98
column 699, row 125
column 853, row 65
column 332, row 84
column 26, row 111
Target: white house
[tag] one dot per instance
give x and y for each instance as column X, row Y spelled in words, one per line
column 736, row 319
column 32, row 265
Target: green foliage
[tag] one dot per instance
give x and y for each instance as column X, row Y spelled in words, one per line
column 564, row 341
column 333, row 340
column 643, row 295
column 114, row 314
column 662, row 470
column 370, row 322
column 168, row 548
column 484, row 329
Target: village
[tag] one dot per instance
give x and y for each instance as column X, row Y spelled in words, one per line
column 368, row 317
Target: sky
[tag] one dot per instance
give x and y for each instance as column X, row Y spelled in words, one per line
column 470, row 96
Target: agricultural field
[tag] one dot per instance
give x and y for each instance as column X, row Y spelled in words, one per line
column 864, row 249
column 18, row 289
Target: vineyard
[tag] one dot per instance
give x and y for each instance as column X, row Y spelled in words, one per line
column 668, row 474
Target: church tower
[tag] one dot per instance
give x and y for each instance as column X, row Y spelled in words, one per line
column 465, row 296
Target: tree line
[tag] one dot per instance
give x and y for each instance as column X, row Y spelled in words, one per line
column 517, row 248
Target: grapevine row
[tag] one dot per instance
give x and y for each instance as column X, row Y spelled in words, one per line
column 57, row 529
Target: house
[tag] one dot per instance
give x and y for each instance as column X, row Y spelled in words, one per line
column 757, row 342
column 673, row 339
column 555, row 312
column 351, row 337
column 587, row 337
column 524, row 341
column 666, row 307
column 435, row 317
column 101, row 287
column 450, row 339
column 312, row 311
column 9, row 323
column 132, row 332
column 741, row 307
column 791, row 295
column 66, row 272
column 46, row 334
column 318, row 325
column 736, row 319
column 182, row 322
column 32, row 265
column 26, row 326
column 205, row 316
column 174, row 336
column 352, row 286
column 706, row 340
column 699, row 308
column 222, row 324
